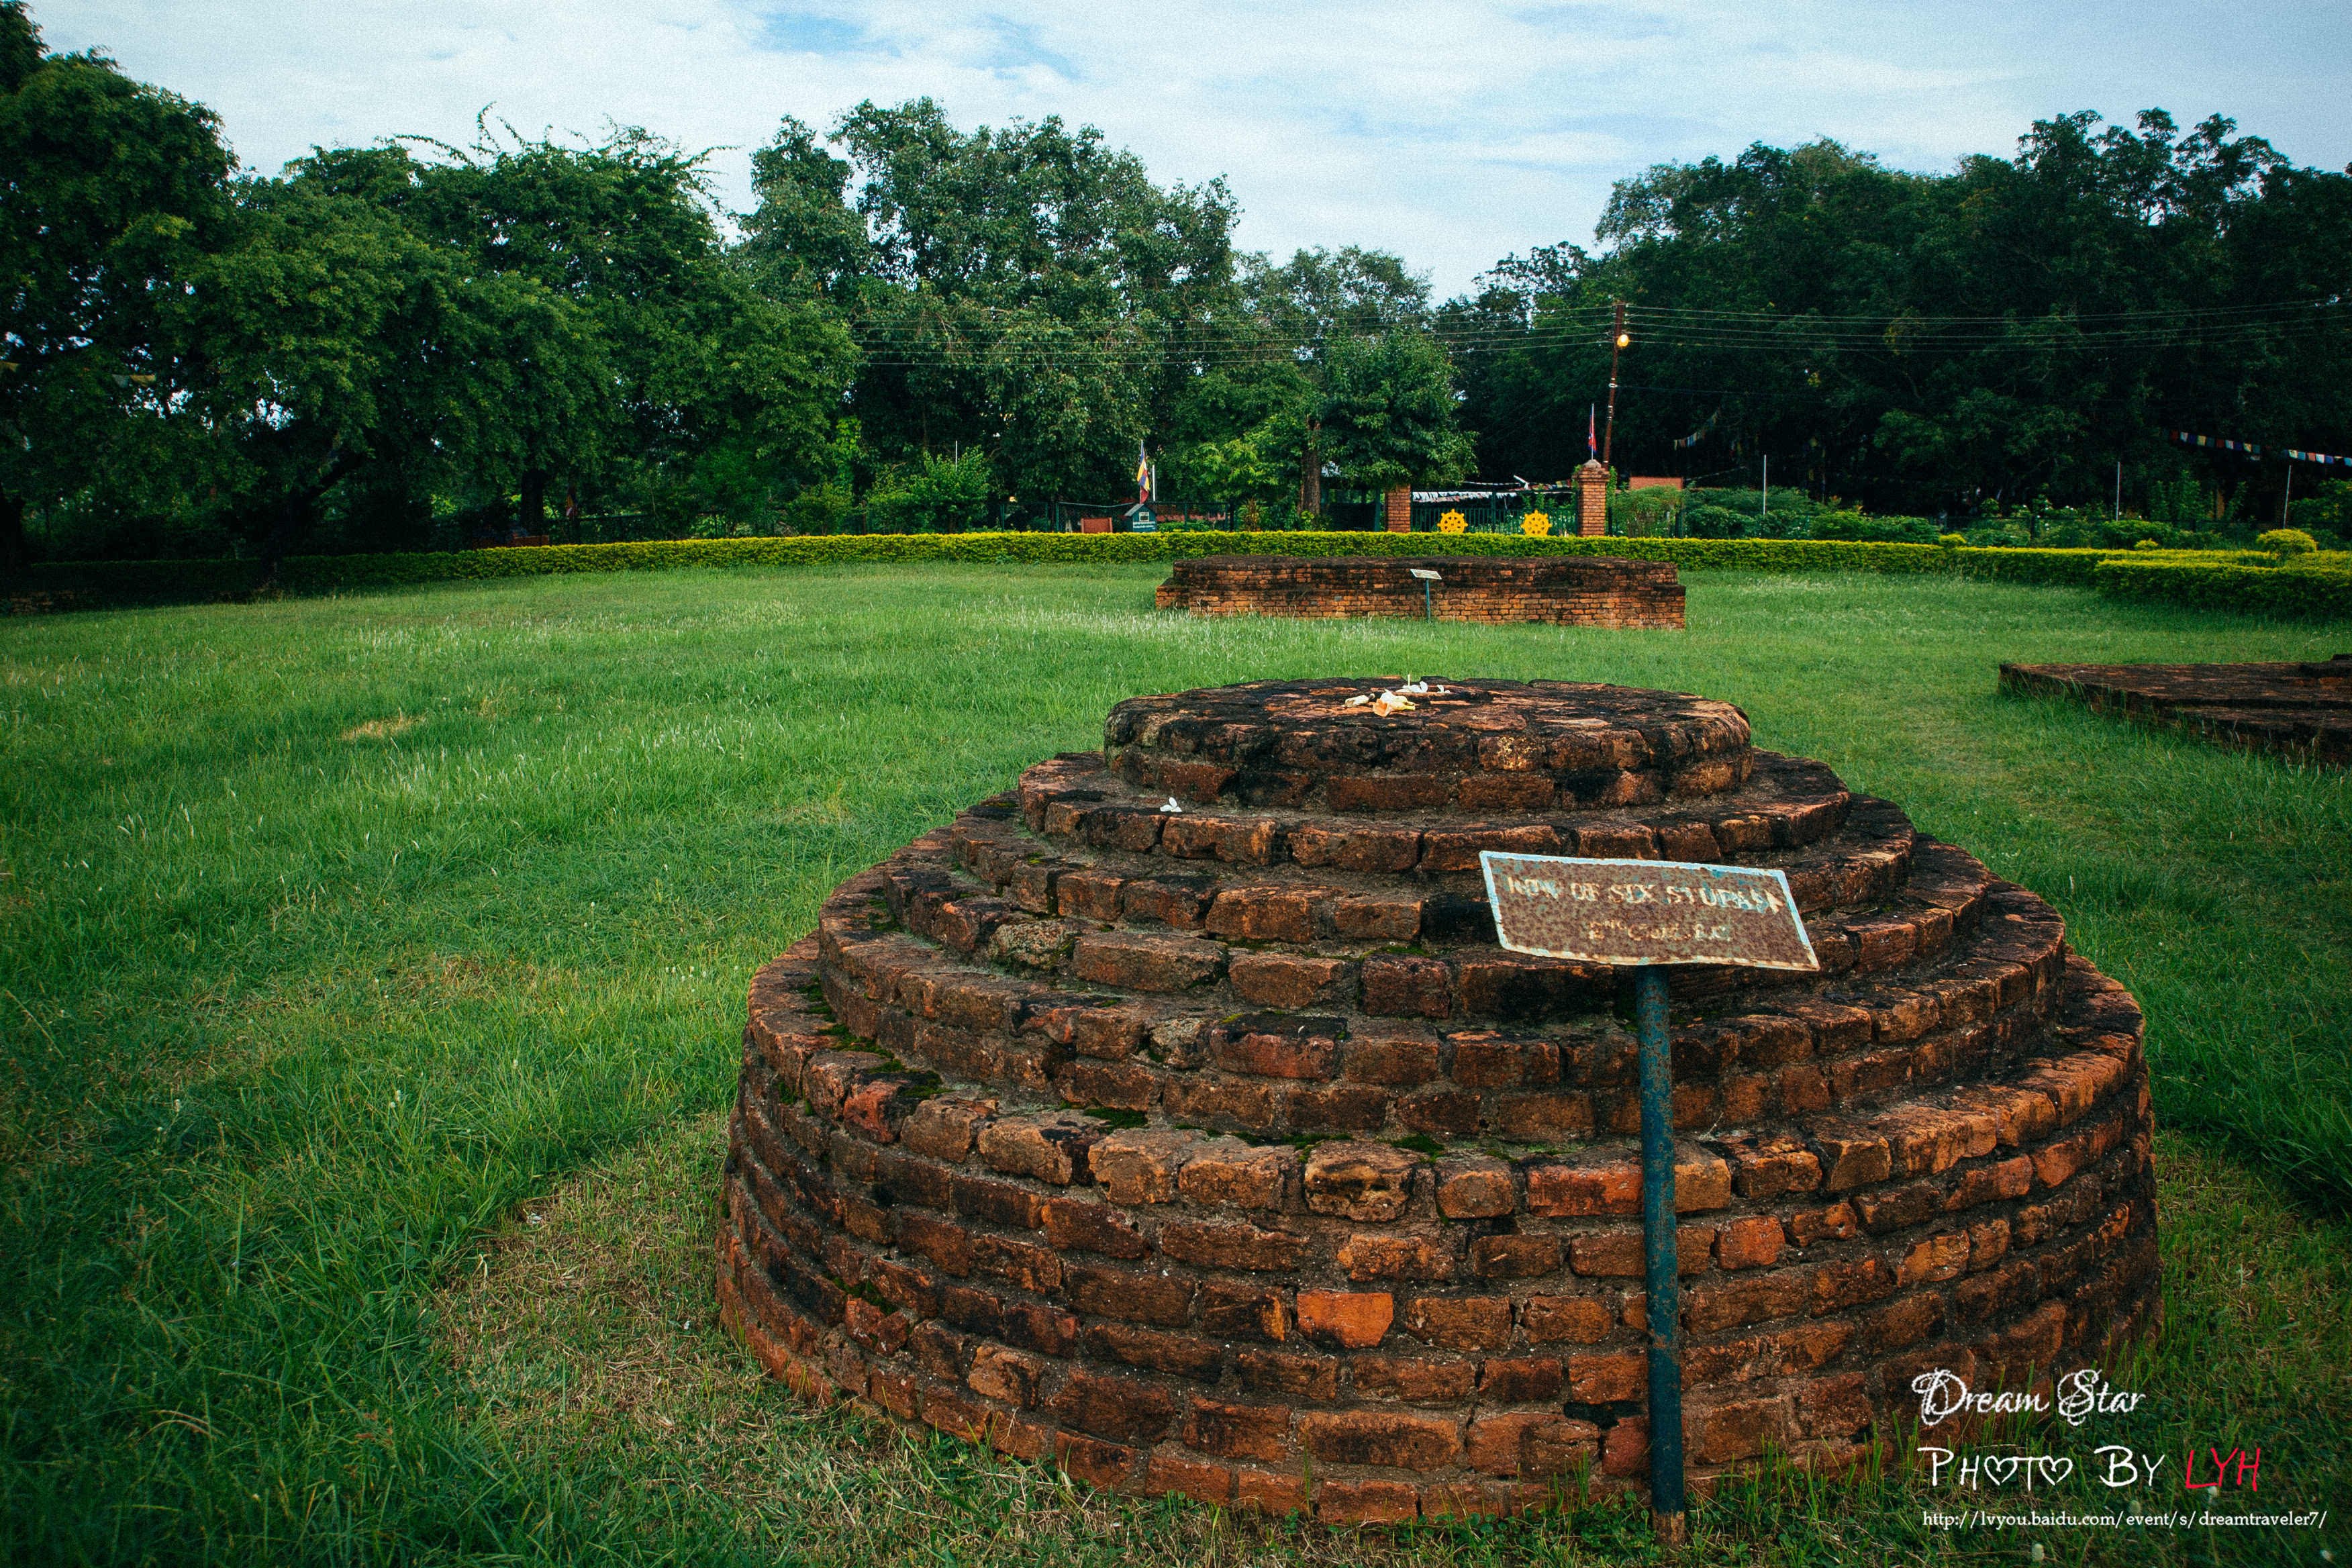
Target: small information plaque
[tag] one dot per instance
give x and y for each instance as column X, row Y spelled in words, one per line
column 1645, row 911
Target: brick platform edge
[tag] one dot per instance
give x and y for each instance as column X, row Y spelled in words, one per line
column 1597, row 591
column 1220, row 1152
column 2299, row 711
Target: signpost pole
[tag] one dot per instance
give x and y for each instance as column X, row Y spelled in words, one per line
column 1428, row 605
column 1662, row 1301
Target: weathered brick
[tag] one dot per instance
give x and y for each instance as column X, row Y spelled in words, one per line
column 1939, row 1257
column 1723, row 1433
column 1565, row 1319
column 1415, row 1379
column 1799, row 1348
column 1836, row 1223
column 1238, row 1431
column 1095, row 1462
column 1270, row 1493
column 1123, row 1409
column 1140, row 1167
column 1266, row 1054
column 1231, row 1245
column 1353, row 1320
column 1251, row 1101
column 1521, row 1380
column 1850, row 1283
column 1005, row 1375
column 1380, row 1257
column 1359, row 1181
column 1264, row 914
column 1366, row 1502
column 946, row 1127
column 1514, row 1257
column 1224, row 1171
column 1016, row 1263
column 1541, row 1118
column 1751, row 1243
column 1242, row 1311
column 1474, row 1187
column 1289, row 980
column 1052, row 1147
column 1462, row 1323
column 1397, row 985
column 1538, row 1442
column 1379, row 1437
column 1049, row 1331
column 1338, row 1108
column 1606, row 1378
column 1769, row 1166
column 1618, row 1254
column 1138, row 963
column 1074, row 1226
column 1178, row 1355
column 1400, row 1060
column 946, row 1245
column 1168, row 1474
column 1296, row 1377
column 1851, row 1156
column 1376, row 917
column 1748, row 1298
column 1162, row 1298
column 2004, row 1179
column 998, row 1202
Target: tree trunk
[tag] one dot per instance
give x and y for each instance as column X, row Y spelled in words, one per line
column 1310, row 473
column 530, row 515
column 15, row 556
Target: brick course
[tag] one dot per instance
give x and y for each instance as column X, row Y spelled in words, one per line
column 938, row 1198
column 1585, row 591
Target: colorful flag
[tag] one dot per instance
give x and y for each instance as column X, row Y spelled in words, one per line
column 1143, row 471
column 1592, row 431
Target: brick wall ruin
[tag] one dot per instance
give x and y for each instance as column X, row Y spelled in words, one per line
column 1221, row 1150
column 1587, row 591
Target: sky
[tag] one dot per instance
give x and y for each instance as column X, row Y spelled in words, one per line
column 1452, row 134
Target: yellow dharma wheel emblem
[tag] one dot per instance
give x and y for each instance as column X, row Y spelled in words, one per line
column 1451, row 522
column 1535, row 522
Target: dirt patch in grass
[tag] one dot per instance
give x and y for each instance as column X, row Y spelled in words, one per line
column 384, row 729
column 584, row 1335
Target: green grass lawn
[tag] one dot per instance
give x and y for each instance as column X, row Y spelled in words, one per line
column 373, row 968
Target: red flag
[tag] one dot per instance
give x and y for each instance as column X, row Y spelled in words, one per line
column 1591, row 433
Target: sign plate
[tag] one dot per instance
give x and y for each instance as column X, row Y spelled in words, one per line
column 1424, row 573
column 1645, row 911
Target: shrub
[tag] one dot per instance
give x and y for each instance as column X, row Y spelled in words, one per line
column 1951, row 540
column 819, row 509
column 1713, row 522
column 2226, row 587
column 2286, row 542
column 941, row 495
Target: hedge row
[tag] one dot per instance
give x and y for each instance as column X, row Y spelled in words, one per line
column 2182, row 578
column 2276, row 591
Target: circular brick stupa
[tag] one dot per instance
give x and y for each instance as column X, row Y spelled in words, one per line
column 1221, row 1150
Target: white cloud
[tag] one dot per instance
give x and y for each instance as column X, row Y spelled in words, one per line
column 1452, row 134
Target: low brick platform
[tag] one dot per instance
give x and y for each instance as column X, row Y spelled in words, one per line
column 1221, row 1150
column 2299, row 711
column 1582, row 591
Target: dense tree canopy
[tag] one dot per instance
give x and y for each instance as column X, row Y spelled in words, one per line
column 918, row 325
column 1938, row 341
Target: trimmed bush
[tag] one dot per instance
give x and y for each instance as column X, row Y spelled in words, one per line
column 138, row 582
column 2283, row 542
column 2213, row 586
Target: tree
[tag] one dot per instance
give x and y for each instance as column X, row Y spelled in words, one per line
column 113, row 190
column 1390, row 413
column 1025, row 290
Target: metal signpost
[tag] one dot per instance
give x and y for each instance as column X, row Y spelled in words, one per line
column 1428, row 609
column 1644, row 915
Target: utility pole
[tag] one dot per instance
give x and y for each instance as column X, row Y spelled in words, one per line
column 1617, row 342
column 2119, row 490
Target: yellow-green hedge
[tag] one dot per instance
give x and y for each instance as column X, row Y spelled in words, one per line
column 2139, row 574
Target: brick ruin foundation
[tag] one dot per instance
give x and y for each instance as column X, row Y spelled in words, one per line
column 1221, row 1150
column 2300, row 710
column 1583, row 591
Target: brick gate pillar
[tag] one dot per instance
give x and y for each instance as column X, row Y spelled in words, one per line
column 1400, row 512
column 1592, row 499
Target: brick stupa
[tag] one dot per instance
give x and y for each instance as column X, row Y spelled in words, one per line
column 1221, row 1150
column 1571, row 590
